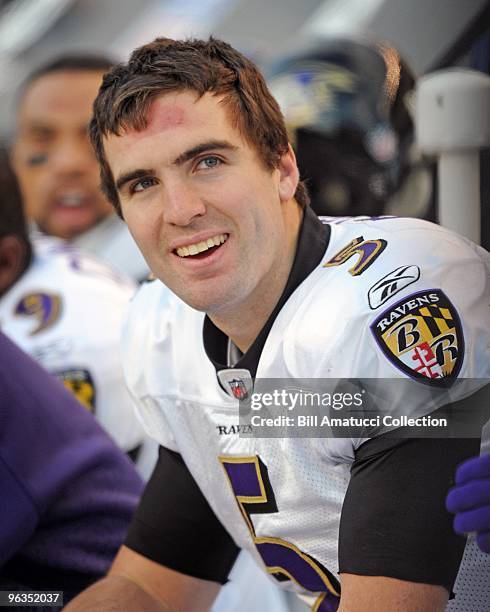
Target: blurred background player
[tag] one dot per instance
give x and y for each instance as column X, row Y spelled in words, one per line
column 68, row 493
column 65, row 309
column 347, row 103
column 56, row 167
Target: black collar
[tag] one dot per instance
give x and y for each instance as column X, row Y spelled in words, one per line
column 312, row 243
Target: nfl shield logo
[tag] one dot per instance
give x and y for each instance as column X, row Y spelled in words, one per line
column 236, row 382
column 238, row 388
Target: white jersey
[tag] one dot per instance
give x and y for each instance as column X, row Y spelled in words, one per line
column 66, row 312
column 391, row 298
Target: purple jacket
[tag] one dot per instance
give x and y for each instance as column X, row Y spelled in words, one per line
column 67, row 493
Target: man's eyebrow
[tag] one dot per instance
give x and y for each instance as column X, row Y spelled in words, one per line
column 211, row 145
column 131, row 175
column 202, row 148
column 38, row 126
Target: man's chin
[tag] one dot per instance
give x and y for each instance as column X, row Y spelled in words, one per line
column 214, row 294
column 69, row 229
column 202, row 304
column 62, row 232
column 213, row 308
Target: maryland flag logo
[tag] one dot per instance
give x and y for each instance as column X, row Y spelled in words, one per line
column 422, row 336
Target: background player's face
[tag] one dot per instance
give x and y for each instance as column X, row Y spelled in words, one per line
column 52, row 155
column 189, row 182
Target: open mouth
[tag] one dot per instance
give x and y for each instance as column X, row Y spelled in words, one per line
column 72, row 199
column 199, row 250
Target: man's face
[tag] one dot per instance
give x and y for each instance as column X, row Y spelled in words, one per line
column 52, row 155
column 211, row 220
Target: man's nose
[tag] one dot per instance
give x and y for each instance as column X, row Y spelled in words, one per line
column 182, row 203
column 72, row 157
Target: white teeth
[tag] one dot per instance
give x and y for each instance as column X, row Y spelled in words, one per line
column 72, row 199
column 200, row 247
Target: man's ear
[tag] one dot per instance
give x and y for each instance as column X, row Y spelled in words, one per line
column 13, row 252
column 288, row 175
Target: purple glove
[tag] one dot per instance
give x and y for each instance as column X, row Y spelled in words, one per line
column 470, row 500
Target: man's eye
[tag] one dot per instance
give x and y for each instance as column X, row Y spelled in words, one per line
column 41, row 136
column 37, row 159
column 211, row 161
column 142, row 184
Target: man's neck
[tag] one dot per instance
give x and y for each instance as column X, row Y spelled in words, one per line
column 242, row 323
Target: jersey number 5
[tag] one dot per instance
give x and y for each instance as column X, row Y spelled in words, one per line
column 249, row 480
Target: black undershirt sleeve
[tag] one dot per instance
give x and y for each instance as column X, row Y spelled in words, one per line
column 394, row 522
column 175, row 526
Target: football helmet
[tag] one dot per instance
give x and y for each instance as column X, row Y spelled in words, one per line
column 346, row 106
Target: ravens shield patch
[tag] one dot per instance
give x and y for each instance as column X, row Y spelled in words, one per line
column 422, row 336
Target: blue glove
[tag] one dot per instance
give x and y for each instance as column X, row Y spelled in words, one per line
column 470, row 500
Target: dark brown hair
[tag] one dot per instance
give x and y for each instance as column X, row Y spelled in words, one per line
column 167, row 65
